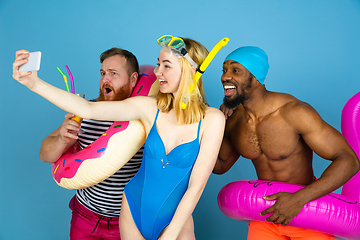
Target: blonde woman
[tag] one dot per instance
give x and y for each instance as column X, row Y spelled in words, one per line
column 181, row 148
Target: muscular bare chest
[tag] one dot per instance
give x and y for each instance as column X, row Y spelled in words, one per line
column 271, row 136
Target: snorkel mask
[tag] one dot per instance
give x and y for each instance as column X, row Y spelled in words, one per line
column 178, row 46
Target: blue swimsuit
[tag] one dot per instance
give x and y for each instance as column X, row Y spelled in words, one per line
column 156, row 190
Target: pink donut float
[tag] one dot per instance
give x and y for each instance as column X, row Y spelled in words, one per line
column 106, row 155
column 336, row 214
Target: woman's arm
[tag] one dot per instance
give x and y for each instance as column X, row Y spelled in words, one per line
column 213, row 124
column 128, row 109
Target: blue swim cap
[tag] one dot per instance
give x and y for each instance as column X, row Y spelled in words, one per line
column 253, row 59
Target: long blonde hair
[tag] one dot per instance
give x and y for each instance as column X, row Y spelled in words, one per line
column 195, row 109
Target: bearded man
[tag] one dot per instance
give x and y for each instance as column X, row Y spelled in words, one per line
column 96, row 209
column 279, row 133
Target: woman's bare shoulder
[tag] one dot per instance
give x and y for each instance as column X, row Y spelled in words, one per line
column 214, row 116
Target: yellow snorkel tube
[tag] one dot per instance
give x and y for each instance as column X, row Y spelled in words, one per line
column 199, row 72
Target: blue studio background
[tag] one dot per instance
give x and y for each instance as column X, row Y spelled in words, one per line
column 313, row 49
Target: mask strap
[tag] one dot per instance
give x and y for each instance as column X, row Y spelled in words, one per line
column 202, row 67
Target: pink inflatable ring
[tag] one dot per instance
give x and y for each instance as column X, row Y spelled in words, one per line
column 106, row 155
column 336, row 214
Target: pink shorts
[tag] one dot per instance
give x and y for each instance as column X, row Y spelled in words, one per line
column 88, row 225
column 270, row 231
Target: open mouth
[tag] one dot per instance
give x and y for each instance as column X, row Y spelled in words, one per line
column 108, row 90
column 162, row 81
column 229, row 89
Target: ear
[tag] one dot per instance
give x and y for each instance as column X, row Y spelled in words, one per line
column 133, row 79
column 193, row 70
column 255, row 81
column 259, row 83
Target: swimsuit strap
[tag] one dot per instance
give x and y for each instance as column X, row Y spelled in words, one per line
column 198, row 129
column 157, row 114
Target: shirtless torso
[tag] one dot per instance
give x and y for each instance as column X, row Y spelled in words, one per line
column 279, row 133
column 271, row 141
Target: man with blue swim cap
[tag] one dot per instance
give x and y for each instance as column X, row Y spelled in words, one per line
column 279, row 133
column 255, row 61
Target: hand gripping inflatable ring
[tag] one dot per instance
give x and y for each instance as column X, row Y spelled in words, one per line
column 106, row 155
column 336, row 214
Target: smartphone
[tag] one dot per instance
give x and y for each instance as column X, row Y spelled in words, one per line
column 33, row 64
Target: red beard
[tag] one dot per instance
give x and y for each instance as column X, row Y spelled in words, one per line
column 117, row 95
